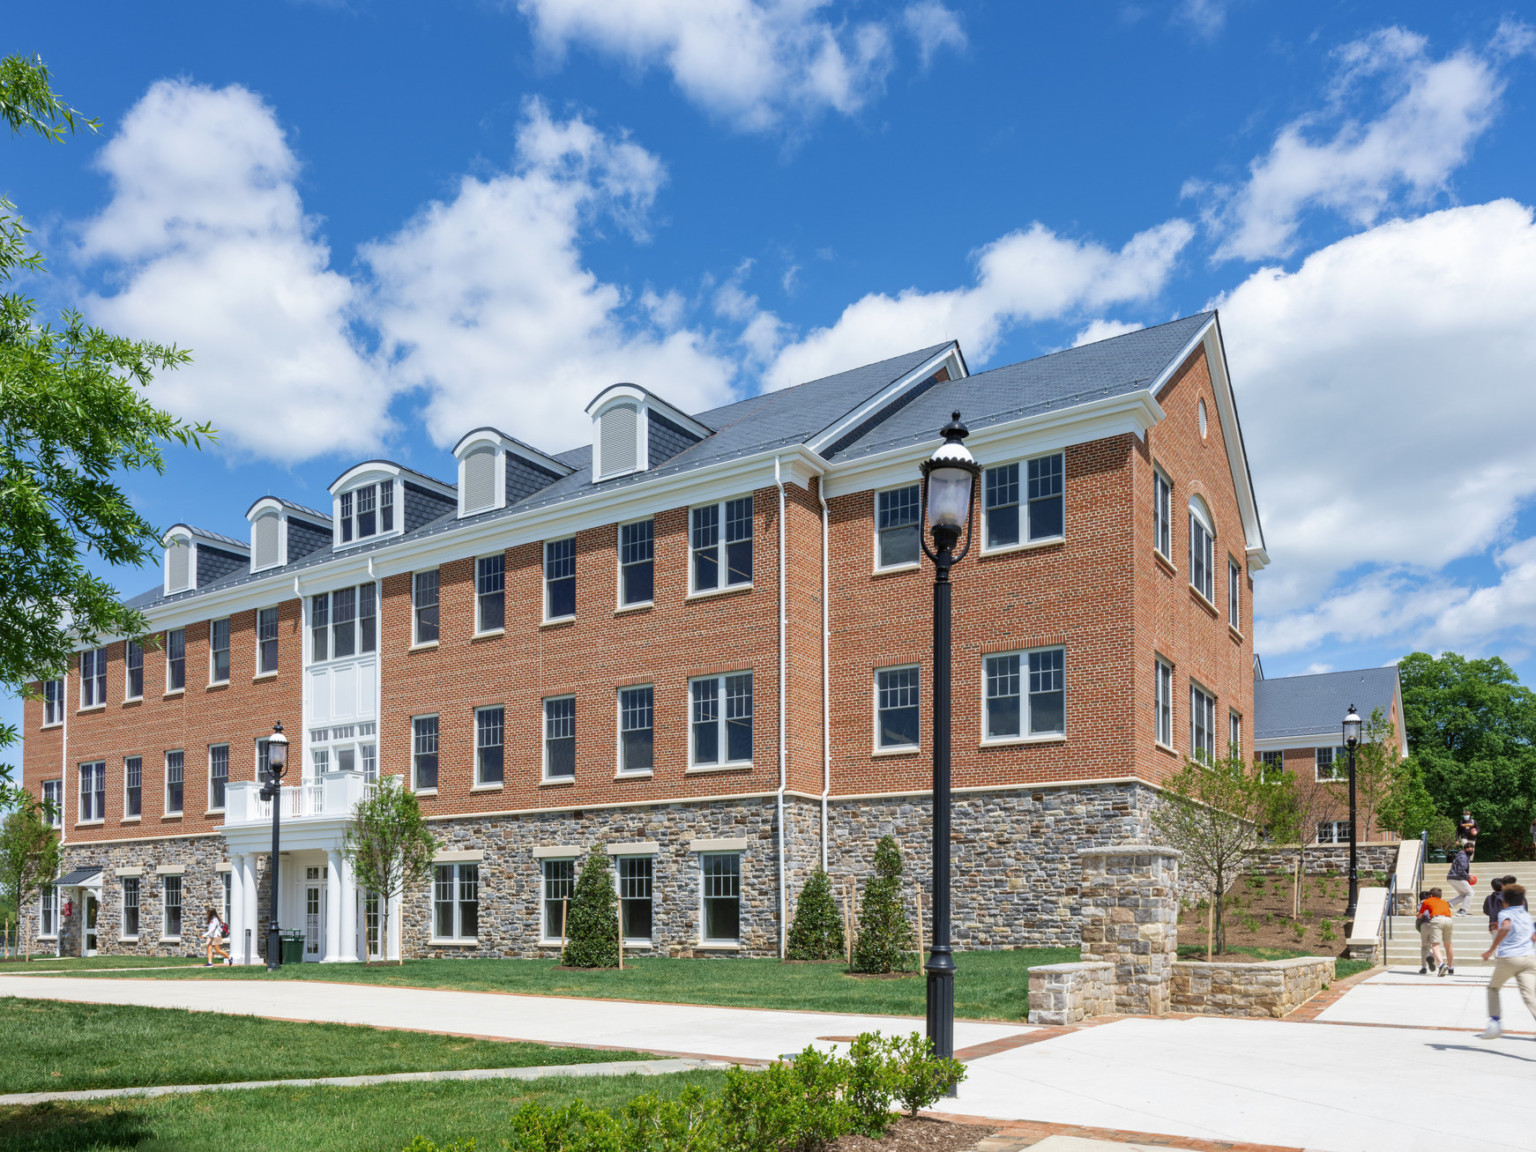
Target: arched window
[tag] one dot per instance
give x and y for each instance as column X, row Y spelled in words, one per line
column 1202, row 547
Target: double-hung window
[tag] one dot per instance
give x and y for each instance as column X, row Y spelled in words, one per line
column 53, row 803
column 456, row 901
column 1333, row 831
column 637, row 729
column 1332, row 763
column 218, row 652
column 343, row 623
column 1162, row 704
column 896, row 707
column 170, row 904
column 560, row 738
column 1202, row 724
column 1162, row 514
column 53, row 702
column 636, row 875
column 174, row 765
column 488, row 745
column 48, row 912
column 133, row 670
column 131, row 907
column 175, row 659
column 720, row 542
column 133, row 786
column 720, row 877
column 559, row 883
column 424, row 607
column 1234, row 733
column 722, row 719
column 490, row 593
column 93, row 791
column 1202, row 548
column 637, row 562
column 266, row 640
column 1038, row 516
column 1271, row 766
column 1234, row 594
column 368, row 511
column 560, row 578
column 1026, row 693
column 896, row 531
column 93, row 677
column 424, row 752
column 320, row 627
column 218, row 775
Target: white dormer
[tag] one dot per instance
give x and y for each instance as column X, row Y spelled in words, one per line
column 282, row 532
column 195, row 557
column 488, row 458
column 367, row 503
column 622, row 416
column 180, row 557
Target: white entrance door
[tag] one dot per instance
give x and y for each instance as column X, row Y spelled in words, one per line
column 314, row 913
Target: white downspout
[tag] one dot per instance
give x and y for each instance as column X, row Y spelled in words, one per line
column 58, row 927
column 826, row 668
column 778, row 480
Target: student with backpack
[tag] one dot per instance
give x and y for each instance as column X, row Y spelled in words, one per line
column 215, row 934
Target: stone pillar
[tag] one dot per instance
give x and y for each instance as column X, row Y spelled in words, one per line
column 1130, row 919
column 335, row 922
column 348, row 893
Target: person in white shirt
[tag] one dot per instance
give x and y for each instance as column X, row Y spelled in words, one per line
column 213, row 936
column 1513, row 952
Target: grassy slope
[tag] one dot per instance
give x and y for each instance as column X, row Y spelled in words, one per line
column 989, row 985
column 51, row 1046
column 94, row 963
column 380, row 1119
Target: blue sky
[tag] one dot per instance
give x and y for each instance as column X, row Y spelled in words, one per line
column 378, row 225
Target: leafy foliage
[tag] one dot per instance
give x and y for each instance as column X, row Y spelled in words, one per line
column 388, row 845
column 817, row 931
column 884, row 931
column 29, row 858
column 592, row 926
column 72, row 417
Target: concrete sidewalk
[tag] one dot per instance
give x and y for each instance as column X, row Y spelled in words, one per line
column 1400, row 996
column 743, row 1034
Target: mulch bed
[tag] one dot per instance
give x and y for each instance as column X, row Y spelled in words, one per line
column 921, row 1135
column 1257, row 913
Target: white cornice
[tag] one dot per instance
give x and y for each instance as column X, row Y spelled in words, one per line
column 882, row 398
column 1232, row 434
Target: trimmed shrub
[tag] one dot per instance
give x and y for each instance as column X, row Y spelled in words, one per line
column 920, row 1076
column 872, row 1084
column 884, row 931
column 817, row 933
column 592, row 926
column 795, row 1107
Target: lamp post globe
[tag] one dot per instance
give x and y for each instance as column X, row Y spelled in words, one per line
column 272, row 791
column 1352, row 726
column 948, row 494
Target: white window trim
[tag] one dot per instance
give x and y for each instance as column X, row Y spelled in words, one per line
column 614, row 858
column 553, row 941
column 412, row 774
column 171, row 538
column 165, row 782
column 1234, row 594
column 227, row 781
column 1234, row 722
column 544, row 704
column 874, row 704
column 1163, row 513
column 544, row 577
column 1337, row 776
column 433, row 938
column 260, row 671
column 1024, row 542
column 127, row 695
column 618, row 730
column 127, row 819
column 167, row 661
column 720, row 554
column 57, row 820
column 1196, row 687
column 874, row 525
column 63, row 703
column 364, row 479
column 483, row 438
column 1024, row 736
column 122, row 904
column 721, row 765
column 416, row 640
column 165, row 908
column 484, row 785
column 54, row 935
column 308, row 615
column 228, row 651
column 704, row 940
column 1198, row 510
column 480, row 630
column 620, row 604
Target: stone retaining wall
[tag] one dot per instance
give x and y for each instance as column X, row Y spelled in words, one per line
column 1327, row 859
column 1069, row 993
column 1274, row 988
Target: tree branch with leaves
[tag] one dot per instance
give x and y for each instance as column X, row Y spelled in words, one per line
column 388, row 846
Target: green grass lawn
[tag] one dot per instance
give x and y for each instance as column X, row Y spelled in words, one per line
column 58, row 1047
column 988, row 985
column 94, row 963
column 379, row 1119
column 1343, row 968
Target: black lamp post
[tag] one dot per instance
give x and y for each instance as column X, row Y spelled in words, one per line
column 1351, row 741
column 949, row 482
column 272, row 789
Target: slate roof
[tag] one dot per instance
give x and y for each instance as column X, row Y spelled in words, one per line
column 218, row 537
column 301, row 509
column 1304, row 705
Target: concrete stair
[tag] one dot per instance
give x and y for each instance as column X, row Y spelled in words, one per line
column 1470, row 936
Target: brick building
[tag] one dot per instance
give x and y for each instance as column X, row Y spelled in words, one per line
column 703, row 643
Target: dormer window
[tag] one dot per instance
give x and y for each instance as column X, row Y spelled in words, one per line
column 634, row 430
column 619, row 439
column 265, row 541
column 283, row 532
column 368, row 511
column 178, row 564
column 496, row 471
column 479, row 483
column 195, row 558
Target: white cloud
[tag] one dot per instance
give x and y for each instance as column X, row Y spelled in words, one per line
column 1097, row 330
column 1386, row 389
column 1205, row 17
column 934, row 27
column 1434, row 111
column 754, row 63
column 1028, row 275
column 484, row 303
column 1481, row 615
column 208, row 239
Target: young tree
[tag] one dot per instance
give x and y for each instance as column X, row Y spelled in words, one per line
column 388, row 846
column 1295, row 807
column 817, row 933
column 1215, row 814
column 592, row 926
column 884, row 931
column 73, row 419
column 29, row 858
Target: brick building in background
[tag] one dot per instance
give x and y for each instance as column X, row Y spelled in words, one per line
column 702, row 643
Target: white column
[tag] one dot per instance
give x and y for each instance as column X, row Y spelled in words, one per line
column 236, row 909
column 396, row 928
column 335, row 913
column 349, row 948
column 252, row 908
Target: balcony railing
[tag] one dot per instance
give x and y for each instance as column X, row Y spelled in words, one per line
column 333, row 795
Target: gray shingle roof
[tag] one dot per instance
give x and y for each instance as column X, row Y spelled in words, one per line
column 218, row 537
column 301, row 509
column 1303, row 705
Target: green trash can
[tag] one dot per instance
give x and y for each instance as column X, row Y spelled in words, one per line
column 293, row 948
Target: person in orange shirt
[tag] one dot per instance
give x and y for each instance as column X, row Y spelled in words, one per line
column 1435, row 925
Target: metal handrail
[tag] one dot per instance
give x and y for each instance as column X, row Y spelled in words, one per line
column 1423, row 858
column 1390, row 910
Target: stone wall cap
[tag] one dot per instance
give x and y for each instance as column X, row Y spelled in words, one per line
column 1133, row 850
column 1257, row 965
column 1080, row 966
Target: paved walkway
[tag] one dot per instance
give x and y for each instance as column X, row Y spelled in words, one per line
column 1401, row 996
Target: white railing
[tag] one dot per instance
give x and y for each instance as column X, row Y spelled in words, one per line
column 333, row 794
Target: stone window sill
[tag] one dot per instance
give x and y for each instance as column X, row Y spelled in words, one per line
column 171, row 816
column 908, row 750
column 487, row 787
column 214, row 812
column 1168, row 748
column 423, row 646
column 264, row 676
column 562, row 782
column 1013, row 741
column 89, row 823
column 645, row 775
column 558, row 622
column 893, row 569
column 127, row 700
column 625, row 609
column 1199, row 598
column 1235, row 633
column 1166, row 563
column 454, row 942
column 426, row 791
column 170, row 939
column 701, row 769
column 490, row 634
column 1022, row 546
column 714, row 946
column 127, row 939
column 130, row 819
column 217, row 686
column 173, row 692
column 91, row 708
column 708, row 593
column 47, row 727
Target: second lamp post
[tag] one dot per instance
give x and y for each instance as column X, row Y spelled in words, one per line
column 949, row 482
column 1352, row 741
column 272, row 790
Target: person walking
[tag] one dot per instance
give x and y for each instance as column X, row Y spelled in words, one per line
column 214, row 935
column 1493, row 902
column 1467, row 831
column 1513, row 952
column 1459, row 877
column 1435, row 936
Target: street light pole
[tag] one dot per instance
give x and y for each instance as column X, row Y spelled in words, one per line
column 1351, row 740
column 949, row 481
column 277, row 765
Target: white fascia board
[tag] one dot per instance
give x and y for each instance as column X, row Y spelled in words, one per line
column 368, row 469
column 1133, row 412
column 889, row 393
column 1232, row 433
column 1333, row 739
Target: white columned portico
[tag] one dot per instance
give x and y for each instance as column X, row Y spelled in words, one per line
column 252, row 908
column 348, row 908
column 335, row 921
column 237, row 923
